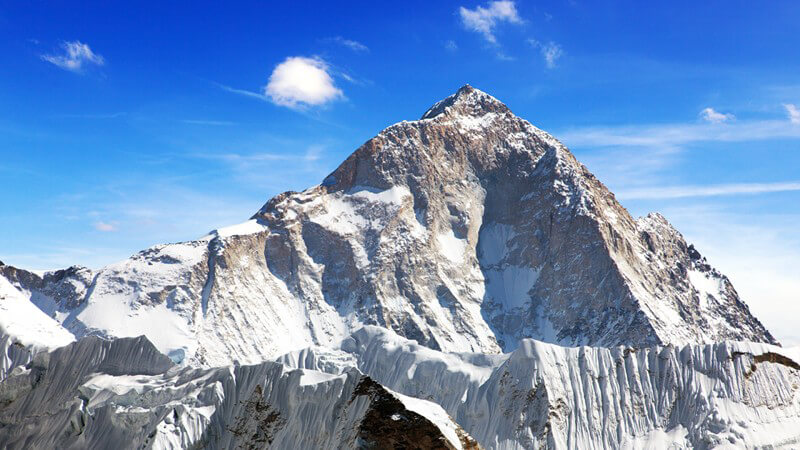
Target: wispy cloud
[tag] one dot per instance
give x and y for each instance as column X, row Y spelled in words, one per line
column 710, row 115
column 793, row 112
column 272, row 170
column 214, row 123
column 299, row 108
column 186, row 194
column 484, row 20
column 631, row 167
column 668, row 192
column 115, row 115
column 243, row 158
column 675, row 135
column 145, row 211
column 75, row 55
column 638, row 161
column 450, row 45
column 346, row 75
column 312, row 153
column 550, row 51
column 243, row 92
column 105, row 226
column 355, row 46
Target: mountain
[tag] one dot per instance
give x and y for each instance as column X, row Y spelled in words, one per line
column 466, row 230
column 460, row 278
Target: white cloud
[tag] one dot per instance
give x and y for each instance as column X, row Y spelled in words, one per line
column 349, row 43
column 710, row 115
column 75, row 55
column 666, row 192
column 105, row 226
column 484, row 19
column 550, row 51
column 793, row 112
column 451, row 45
column 301, row 81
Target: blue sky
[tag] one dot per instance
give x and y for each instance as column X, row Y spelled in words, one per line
column 124, row 127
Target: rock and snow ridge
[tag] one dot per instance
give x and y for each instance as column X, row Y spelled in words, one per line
column 469, row 230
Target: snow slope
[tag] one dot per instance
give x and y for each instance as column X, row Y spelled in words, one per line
column 25, row 329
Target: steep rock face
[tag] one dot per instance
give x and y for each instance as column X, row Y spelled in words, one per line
column 124, row 394
column 467, row 230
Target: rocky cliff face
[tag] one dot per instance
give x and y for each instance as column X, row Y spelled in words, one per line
column 466, row 230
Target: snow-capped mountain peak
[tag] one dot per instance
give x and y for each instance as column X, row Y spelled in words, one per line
column 467, row 230
column 467, row 101
column 452, row 284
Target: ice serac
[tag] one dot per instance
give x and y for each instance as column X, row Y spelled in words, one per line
column 467, row 230
column 123, row 393
column 723, row 395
